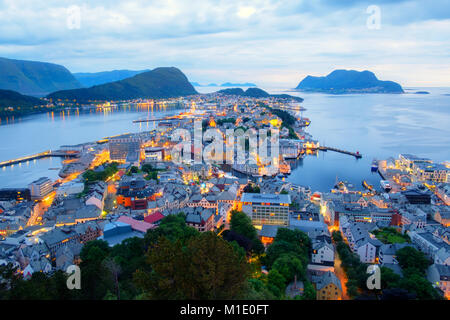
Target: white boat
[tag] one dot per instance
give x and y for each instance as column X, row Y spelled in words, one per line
column 385, row 185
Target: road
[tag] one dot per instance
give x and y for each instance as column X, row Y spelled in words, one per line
column 340, row 274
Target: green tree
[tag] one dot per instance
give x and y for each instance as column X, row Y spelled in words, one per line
column 411, row 258
column 172, row 227
column 309, row 292
column 279, row 248
column 289, row 266
column 389, row 279
column 258, row 290
column 205, row 267
column 96, row 279
column 420, row 286
column 276, row 282
column 241, row 224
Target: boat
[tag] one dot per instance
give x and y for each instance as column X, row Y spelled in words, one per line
column 367, row 186
column 317, row 196
column 374, row 167
column 385, row 185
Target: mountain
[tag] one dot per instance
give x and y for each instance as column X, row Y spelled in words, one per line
column 158, row 83
column 349, row 81
column 96, row 78
column 247, row 84
column 35, row 78
column 256, row 93
column 19, row 104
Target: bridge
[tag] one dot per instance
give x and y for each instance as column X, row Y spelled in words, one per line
column 356, row 154
column 40, row 155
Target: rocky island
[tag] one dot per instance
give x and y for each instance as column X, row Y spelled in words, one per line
column 348, row 81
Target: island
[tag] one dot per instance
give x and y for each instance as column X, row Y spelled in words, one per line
column 257, row 93
column 348, row 81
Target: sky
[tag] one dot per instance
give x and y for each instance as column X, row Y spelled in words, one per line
column 272, row 43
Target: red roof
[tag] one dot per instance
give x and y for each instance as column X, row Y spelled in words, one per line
column 154, row 217
column 136, row 224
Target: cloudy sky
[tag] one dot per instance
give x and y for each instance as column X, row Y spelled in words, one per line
column 271, row 43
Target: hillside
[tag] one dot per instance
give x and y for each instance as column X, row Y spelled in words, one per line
column 257, row 93
column 14, row 103
column 348, row 81
column 92, row 79
column 159, row 83
column 35, row 78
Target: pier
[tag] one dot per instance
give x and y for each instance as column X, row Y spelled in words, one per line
column 40, row 155
column 356, row 154
column 151, row 120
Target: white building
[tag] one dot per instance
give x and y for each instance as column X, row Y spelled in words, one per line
column 322, row 253
column 41, row 188
column 271, row 209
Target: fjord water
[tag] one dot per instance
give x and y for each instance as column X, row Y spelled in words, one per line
column 376, row 125
column 48, row 131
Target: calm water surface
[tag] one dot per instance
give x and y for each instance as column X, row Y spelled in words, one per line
column 376, row 125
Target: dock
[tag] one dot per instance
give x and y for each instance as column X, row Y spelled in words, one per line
column 356, row 154
column 40, row 155
column 151, row 120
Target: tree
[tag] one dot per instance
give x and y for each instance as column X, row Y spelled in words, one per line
column 115, row 270
column 36, row 288
column 411, row 258
column 257, row 290
column 278, row 248
column 289, row 266
column 204, row 267
column 172, row 227
column 420, row 286
column 95, row 277
column 337, row 236
column 95, row 250
column 241, row 224
column 276, row 282
column 309, row 292
column 389, row 279
column 295, row 237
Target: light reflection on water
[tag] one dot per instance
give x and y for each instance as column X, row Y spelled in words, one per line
column 376, row 125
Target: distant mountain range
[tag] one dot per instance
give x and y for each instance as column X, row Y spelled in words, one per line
column 159, row 83
column 97, row 78
column 226, row 84
column 257, row 93
column 35, row 78
column 348, row 81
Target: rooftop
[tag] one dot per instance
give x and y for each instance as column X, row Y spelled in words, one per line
column 267, row 198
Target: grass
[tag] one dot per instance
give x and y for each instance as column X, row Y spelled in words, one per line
column 391, row 235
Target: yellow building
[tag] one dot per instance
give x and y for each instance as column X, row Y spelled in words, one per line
column 328, row 287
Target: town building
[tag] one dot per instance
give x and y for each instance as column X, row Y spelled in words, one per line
column 270, row 209
column 41, row 188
